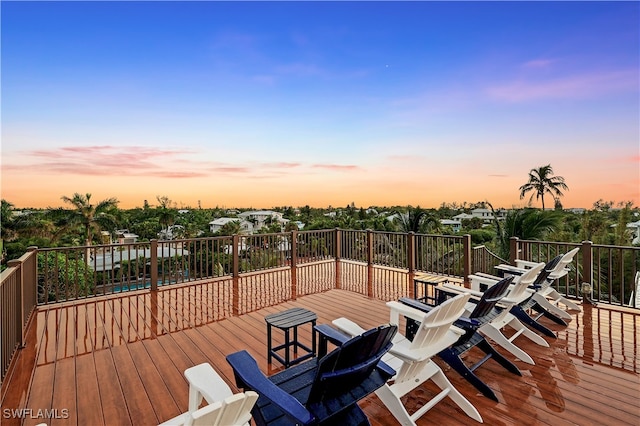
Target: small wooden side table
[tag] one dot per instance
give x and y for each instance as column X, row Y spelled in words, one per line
column 286, row 321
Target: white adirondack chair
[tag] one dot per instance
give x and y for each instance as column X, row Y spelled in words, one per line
column 412, row 359
column 518, row 293
column 548, row 297
column 224, row 409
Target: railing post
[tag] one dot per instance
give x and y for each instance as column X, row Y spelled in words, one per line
column 467, row 259
column 338, row 255
column 369, row 263
column 513, row 250
column 411, row 262
column 587, row 271
column 235, row 293
column 19, row 299
column 154, row 264
column 32, row 277
column 294, row 266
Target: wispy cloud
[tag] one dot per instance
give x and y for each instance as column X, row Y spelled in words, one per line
column 336, row 167
column 571, row 87
column 107, row 160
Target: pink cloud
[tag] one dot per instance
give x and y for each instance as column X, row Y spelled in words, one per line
column 106, row 160
column 231, row 169
column 578, row 87
column 336, row 167
column 283, row 165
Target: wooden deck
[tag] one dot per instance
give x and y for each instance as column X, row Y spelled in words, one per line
column 119, row 361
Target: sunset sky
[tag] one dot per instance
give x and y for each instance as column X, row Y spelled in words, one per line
column 243, row 104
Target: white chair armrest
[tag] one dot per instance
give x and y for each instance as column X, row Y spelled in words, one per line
column 205, row 380
column 348, row 327
column 525, row 264
column 475, row 294
column 403, row 351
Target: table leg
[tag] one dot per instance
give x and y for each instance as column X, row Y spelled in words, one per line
column 286, row 348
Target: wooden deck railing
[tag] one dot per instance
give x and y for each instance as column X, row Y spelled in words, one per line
column 17, row 300
column 273, row 268
column 608, row 270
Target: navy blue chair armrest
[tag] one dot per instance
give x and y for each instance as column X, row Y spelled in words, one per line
column 331, row 334
column 249, row 377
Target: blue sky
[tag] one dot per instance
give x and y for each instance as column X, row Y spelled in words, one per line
column 326, row 103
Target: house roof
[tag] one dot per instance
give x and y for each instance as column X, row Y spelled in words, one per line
column 224, row 220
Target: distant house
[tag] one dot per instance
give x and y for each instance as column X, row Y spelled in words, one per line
column 635, row 231
column 485, row 214
column 110, row 260
column 217, row 224
column 171, row 232
column 577, row 210
column 463, row 216
column 123, row 236
column 455, row 224
column 262, row 218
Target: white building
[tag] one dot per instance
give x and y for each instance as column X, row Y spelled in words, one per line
column 217, row 224
column 123, row 236
column 262, row 218
column 455, row 224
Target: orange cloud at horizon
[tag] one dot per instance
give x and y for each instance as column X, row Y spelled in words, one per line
column 337, row 188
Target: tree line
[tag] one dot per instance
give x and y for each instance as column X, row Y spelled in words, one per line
column 85, row 221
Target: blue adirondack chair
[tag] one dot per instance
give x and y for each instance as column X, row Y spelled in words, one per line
column 321, row 391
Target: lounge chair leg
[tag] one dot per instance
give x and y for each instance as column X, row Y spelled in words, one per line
column 456, row 363
column 524, row 317
column 441, row 380
column 546, row 304
column 498, row 357
column 393, row 404
column 497, row 336
column 517, row 325
column 547, row 314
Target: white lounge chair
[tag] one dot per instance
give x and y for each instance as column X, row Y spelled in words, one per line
column 548, row 297
column 518, row 293
column 224, row 409
column 412, row 359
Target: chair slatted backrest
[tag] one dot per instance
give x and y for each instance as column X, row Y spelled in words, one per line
column 522, row 283
column 432, row 335
column 346, row 367
column 544, row 280
column 490, row 297
column 234, row 410
column 564, row 263
column 438, row 321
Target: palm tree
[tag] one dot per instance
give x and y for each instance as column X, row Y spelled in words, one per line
column 526, row 224
column 416, row 220
column 86, row 215
column 542, row 181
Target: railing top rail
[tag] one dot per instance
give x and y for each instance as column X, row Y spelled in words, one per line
column 566, row 244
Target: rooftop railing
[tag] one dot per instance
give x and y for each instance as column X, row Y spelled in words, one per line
column 274, row 268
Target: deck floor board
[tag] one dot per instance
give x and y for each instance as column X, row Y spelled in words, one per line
column 120, row 360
